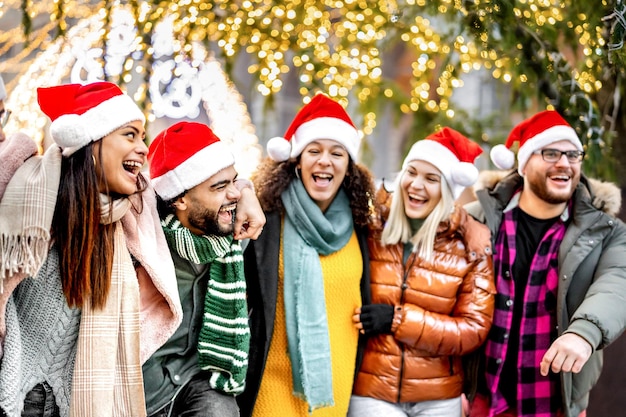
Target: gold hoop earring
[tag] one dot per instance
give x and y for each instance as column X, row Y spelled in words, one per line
column 93, row 157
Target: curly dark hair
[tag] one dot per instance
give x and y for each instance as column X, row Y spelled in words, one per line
column 272, row 178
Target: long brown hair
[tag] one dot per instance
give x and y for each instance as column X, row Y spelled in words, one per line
column 272, row 178
column 85, row 245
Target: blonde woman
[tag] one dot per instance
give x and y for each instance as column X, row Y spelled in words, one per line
column 432, row 287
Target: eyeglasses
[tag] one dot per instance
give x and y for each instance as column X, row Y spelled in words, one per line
column 4, row 118
column 554, row 155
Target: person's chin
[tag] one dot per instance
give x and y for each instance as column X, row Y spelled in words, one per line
column 561, row 189
column 122, row 192
column 558, row 197
column 226, row 230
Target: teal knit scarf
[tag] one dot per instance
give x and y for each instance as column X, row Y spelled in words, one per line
column 309, row 233
column 224, row 339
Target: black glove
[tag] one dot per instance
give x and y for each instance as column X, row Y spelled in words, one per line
column 376, row 318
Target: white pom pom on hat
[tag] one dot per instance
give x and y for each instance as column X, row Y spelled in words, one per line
column 464, row 174
column 278, row 148
column 502, row 157
column 533, row 134
column 452, row 154
column 321, row 118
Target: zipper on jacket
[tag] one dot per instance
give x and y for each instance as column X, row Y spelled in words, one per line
column 403, row 288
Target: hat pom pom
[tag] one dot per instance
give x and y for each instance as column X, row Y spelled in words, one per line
column 68, row 131
column 464, row 174
column 502, row 157
column 278, row 149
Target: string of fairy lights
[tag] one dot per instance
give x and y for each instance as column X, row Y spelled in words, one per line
column 177, row 88
column 339, row 46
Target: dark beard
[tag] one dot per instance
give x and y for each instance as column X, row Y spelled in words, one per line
column 207, row 222
column 540, row 189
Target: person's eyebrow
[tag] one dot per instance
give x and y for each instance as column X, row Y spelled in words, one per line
column 220, row 183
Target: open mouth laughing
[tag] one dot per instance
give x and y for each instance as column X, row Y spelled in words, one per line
column 417, row 200
column 132, row 166
column 227, row 212
column 322, row 178
column 560, row 177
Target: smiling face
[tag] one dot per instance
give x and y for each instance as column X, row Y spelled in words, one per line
column 421, row 189
column 323, row 166
column 209, row 207
column 120, row 156
column 551, row 183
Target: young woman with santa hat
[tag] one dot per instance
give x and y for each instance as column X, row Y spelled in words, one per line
column 431, row 283
column 308, row 270
column 89, row 289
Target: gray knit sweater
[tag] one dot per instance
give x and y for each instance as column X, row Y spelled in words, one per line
column 40, row 342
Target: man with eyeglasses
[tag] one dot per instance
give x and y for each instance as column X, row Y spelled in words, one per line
column 560, row 265
column 4, row 113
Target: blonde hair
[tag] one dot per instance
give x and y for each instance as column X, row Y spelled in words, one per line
column 398, row 229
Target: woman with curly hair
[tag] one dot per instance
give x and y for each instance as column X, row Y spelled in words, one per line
column 308, row 270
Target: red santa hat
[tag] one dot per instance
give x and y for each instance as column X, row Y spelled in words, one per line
column 185, row 155
column 321, row 118
column 532, row 134
column 3, row 90
column 82, row 114
column 452, row 154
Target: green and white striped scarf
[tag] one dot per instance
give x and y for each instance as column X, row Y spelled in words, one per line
column 224, row 339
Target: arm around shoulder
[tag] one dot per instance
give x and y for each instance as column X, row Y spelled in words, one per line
column 250, row 219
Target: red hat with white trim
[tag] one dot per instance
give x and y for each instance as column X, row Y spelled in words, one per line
column 321, row 118
column 185, row 155
column 532, row 134
column 82, row 114
column 452, row 154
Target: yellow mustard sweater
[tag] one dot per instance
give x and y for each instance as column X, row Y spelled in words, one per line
column 342, row 272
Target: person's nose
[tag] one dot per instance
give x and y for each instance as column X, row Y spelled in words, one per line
column 233, row 192
column 417, row 183
column 324, row 158
column 562, row 161
column 142, row 148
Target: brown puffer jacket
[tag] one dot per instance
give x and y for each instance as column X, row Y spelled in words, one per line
column 443, row 309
